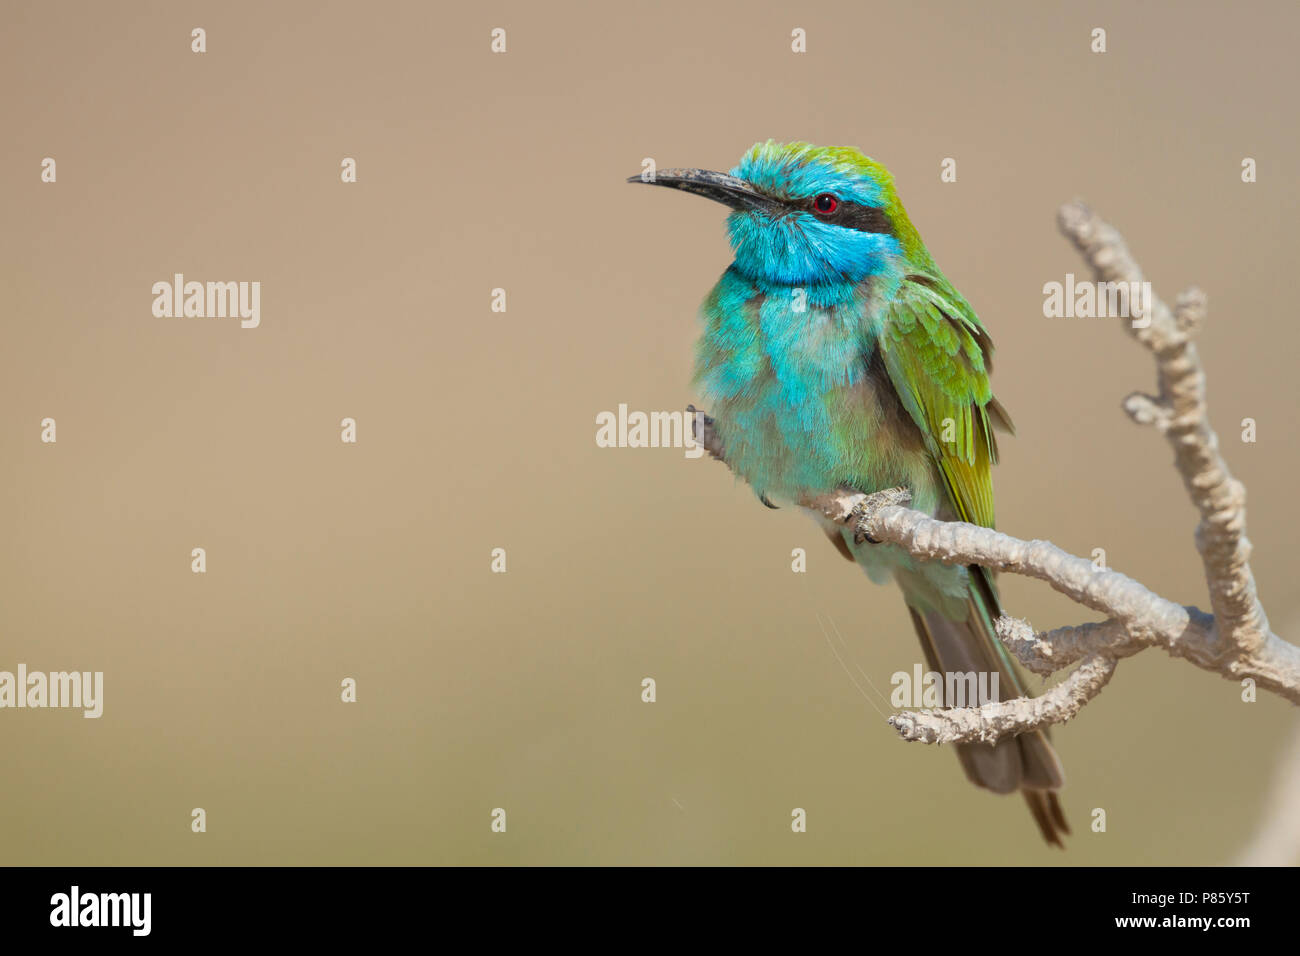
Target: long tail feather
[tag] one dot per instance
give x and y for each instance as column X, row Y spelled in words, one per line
column 1026, row 762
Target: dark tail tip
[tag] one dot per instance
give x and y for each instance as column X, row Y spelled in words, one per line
column 1047, row 812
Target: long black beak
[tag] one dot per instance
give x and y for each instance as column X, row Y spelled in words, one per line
column 728, row 190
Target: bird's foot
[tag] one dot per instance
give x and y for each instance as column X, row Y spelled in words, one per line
column 704, row 433
column 865, row 511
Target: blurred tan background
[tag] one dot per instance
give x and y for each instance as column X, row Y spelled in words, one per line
column 476, row 429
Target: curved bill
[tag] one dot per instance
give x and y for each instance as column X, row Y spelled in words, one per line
column 728, row 190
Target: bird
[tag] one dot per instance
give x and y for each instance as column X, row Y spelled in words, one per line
column 835, row 355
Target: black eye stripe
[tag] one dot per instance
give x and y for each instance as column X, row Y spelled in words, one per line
column 853, row 215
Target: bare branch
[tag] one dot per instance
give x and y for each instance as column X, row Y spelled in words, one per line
column 1220, row 498
column 1049, row 652
column 1139, row 618
column 990, row 722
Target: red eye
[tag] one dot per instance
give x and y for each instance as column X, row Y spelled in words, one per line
column 825, row 204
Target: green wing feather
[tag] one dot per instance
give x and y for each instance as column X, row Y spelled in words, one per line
column 938, row 358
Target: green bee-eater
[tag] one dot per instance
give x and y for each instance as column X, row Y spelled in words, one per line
column 836, row 355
